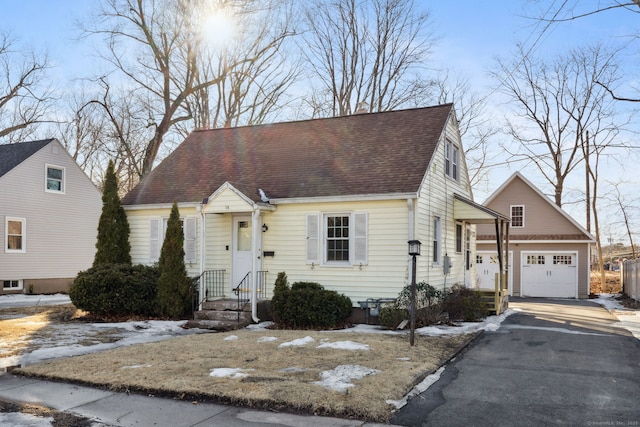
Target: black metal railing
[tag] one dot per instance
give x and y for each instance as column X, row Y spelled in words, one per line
column 243, row 290
column 210, row 283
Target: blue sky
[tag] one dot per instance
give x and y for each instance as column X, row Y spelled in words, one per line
column 471, row 33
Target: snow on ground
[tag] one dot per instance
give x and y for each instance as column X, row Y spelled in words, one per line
column 67, row 341
column 339, row 378
column 71, row 339
column 629, row 319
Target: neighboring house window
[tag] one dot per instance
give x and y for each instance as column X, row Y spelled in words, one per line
column 157, row 232
column 15, row 236
column 452, row 156
column 517, row 216
column 437, row 231
column 479, row 259
column 55, row 179
column 11, row 284
column 342, row 239
column 459, row 238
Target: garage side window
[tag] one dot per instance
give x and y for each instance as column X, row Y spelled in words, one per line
column 517, row 216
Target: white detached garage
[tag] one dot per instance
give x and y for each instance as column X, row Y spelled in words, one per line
column 549, row 250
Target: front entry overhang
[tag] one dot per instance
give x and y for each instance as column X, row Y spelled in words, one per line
column 228, row 199
column 474, row 213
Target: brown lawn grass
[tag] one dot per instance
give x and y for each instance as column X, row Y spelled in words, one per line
column 278, row 379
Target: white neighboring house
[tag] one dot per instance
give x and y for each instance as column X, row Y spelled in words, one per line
column 332, row 201
column 49, row 213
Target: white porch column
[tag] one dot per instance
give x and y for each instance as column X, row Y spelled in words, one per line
column 256, row 230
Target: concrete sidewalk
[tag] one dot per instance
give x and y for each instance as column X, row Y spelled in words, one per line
column 107, row 408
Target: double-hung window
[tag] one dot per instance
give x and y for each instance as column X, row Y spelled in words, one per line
column 452, row 156
column 55, row 179
column 338, row 239
column 15, row 235
column 517, row 216
column 437, row 239
column 158, row 230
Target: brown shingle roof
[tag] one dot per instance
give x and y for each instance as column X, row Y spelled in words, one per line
column 375, row 153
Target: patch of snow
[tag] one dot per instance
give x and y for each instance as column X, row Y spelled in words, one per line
column 404, row 359
column 297, row 343
column 229, row 372
column 26, row 420
column 230, row 338
column 259, row 326
column 23, row 300
column 550, row 329
column 267, row 339
column 419, row 388
column 339, row 379
column 629, row 319
column 344, row 345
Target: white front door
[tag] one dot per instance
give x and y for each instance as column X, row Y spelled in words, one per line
column 242, row 250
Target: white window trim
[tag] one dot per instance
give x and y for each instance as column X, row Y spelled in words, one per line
column 64, row 178
column 437, row 240
column 511, row 216
column 17, row 288
column 452, row 159
column 157, row 233
column 23, row 221
column 316, row 239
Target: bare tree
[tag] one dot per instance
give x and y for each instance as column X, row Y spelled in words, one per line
column 627, row 211
column 24, row 98
column 555, row 103
column 370, row 52
column 246, row 92
column 155, row 46
column 570, row 10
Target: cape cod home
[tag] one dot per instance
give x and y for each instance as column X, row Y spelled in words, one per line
column 549, row 251
column 332, row 201
column 49, row 212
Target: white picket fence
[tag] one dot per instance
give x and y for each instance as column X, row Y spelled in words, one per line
column 631, row 278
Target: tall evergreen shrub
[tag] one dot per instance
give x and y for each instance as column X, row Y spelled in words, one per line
column 173, row 298
column 113, row 229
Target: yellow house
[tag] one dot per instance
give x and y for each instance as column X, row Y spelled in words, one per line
column 332, row 201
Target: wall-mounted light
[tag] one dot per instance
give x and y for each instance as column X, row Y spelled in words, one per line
column 265, row 227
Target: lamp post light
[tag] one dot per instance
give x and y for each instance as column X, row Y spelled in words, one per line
column 414, row 251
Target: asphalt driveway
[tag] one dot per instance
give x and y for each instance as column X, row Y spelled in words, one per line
column 553, row 362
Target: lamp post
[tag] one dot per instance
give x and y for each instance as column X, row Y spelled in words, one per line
column 414, row 251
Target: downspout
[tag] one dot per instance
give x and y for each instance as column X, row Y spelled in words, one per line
column 254, row 263
column 202, row 255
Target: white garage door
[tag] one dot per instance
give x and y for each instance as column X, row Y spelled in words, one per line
column 549, row 274
column 487, row 267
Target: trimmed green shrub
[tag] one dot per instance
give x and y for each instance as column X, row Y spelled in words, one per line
column 464, row 304
column 428, row 307
column 173, row 298
column 391, row 315
column 112, row 245
column 116, row 289
column 308, row 305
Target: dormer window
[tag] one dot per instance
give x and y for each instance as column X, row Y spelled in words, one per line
column 517, row 216
column 54, row 181
column 452, row 156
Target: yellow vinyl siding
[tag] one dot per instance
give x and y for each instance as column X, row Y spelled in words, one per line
column 139, row 236
column 383, row 276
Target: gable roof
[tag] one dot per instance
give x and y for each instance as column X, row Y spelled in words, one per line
column 362, row 154
column 11, row 155
column 582, row 234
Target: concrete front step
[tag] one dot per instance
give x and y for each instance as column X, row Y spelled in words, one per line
column 225, row 316
column 224, row 304
column 217, row 325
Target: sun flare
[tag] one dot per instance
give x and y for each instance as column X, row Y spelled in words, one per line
column 218, row 27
